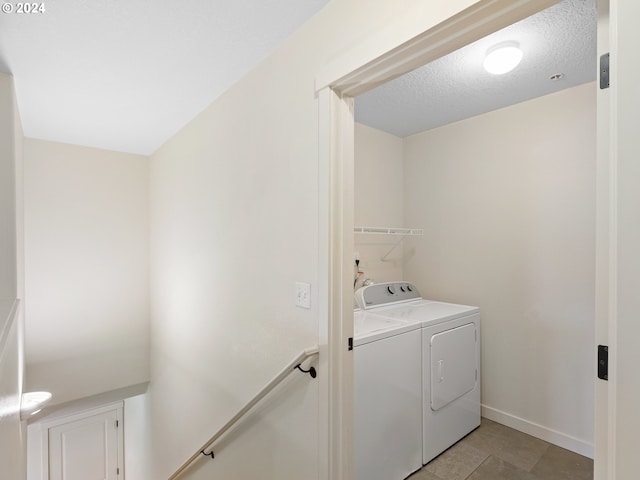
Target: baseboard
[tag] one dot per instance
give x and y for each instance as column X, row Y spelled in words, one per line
column 543, row 433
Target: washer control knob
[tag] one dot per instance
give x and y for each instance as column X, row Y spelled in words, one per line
column 390, row 290
column 409, row 288
column 402, row 288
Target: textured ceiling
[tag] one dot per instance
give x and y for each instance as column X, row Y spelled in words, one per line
column 559, row 40
column 126, row 75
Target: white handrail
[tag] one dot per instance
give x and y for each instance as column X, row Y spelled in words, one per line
column 309, row 352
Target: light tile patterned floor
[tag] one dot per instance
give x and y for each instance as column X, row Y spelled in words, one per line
column 496, row 452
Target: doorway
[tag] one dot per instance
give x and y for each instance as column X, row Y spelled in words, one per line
column 340, row 155
column 505, row 195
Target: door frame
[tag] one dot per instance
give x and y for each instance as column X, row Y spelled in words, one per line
column 624, row 238
column 336, row 87
column 45, row 426
column 602, row 463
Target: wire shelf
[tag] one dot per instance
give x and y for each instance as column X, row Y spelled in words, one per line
column 389, row 231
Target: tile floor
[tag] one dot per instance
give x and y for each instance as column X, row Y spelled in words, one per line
column 496, row 452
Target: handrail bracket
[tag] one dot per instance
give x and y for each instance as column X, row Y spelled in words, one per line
column 210, row 454
column 312, row 371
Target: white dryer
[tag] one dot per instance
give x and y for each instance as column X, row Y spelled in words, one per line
column 450, row 359
column 387, row 398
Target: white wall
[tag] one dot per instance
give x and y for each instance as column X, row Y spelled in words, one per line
column 12, row 433
column 233, row 227
column 378, row 202
column 86, row 247
column 509, row 219
column 234, row 224
column 8, row 262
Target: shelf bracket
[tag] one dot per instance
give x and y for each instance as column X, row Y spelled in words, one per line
column 395, row 245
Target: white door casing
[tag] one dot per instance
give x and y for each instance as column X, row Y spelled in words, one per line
column 603, row 204
column 335, row 292
column 624, row 238
column 618, row 225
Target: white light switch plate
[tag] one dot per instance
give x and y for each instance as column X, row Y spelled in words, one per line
column 303, row 295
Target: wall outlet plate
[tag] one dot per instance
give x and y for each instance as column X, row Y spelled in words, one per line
column 303, row 295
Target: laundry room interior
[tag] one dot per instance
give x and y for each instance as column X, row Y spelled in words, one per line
column 496, row 210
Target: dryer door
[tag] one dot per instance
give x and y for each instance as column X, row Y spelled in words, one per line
column 453, row 364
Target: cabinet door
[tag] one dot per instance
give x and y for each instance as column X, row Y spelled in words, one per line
column 85, row 449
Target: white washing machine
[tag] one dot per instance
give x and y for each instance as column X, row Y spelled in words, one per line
column 450, row 359
column 387, row 398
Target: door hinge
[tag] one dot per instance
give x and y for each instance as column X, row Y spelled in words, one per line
column 603, row 362
column 604, row 71
column 350, row 343
column 117, row 423
column 118, row 471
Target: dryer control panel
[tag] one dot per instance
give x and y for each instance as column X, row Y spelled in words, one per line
column 386, row 293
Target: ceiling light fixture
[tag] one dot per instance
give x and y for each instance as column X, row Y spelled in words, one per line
column 32, row 402
column 502, row 58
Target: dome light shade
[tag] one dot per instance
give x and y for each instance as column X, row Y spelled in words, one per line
column 502, row 58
